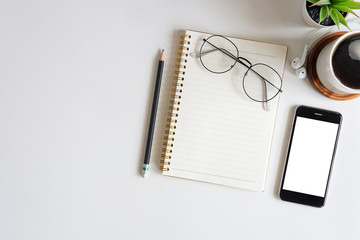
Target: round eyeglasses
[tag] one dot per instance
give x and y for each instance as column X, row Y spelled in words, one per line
column 260, row 82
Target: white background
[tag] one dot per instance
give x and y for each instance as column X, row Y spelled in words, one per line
column 310, row 156
column 76, row 83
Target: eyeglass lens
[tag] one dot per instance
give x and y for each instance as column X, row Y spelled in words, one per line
column 218, row 54
column 261, row 83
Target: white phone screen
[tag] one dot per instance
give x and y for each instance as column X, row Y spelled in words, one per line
column 310, row 156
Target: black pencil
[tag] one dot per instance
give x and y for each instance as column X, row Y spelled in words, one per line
column 145, row 168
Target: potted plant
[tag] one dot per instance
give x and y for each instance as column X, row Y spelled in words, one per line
column 322, row 13
column 333, row 63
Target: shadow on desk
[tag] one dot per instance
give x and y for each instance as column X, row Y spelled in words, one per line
column 284, row 148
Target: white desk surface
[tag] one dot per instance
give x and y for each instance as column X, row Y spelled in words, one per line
column 76, row 82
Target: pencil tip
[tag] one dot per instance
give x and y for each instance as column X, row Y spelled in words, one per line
column 162, row 55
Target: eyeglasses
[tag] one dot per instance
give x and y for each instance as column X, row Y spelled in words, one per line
column 261, row 83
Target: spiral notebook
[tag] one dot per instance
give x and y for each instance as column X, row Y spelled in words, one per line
column 215, row 133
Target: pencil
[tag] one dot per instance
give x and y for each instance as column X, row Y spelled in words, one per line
column 145, row 168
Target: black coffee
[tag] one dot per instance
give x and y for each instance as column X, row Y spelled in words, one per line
column 346, row 62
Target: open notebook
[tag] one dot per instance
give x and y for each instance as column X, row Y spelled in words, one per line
column 215, row 132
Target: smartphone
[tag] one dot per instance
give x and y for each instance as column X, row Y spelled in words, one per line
column 310, row 155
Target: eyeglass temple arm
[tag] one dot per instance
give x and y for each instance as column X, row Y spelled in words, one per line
column 266, row 105
column 198, row 54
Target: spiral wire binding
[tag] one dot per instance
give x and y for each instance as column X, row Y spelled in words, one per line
column 179, row 77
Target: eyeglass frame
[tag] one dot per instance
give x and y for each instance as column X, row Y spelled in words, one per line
column 238, row 59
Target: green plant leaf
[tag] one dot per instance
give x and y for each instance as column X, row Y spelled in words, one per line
column 348, row 3
column 340, row 2
column 341, row 19
column 324, row 11
column 312, row 1
column 335, row 17
column 355, row 5
column 344, row 9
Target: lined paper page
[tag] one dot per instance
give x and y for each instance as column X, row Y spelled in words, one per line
column 221, row 135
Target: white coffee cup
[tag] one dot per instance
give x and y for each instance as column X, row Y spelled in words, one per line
column 324, row 67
